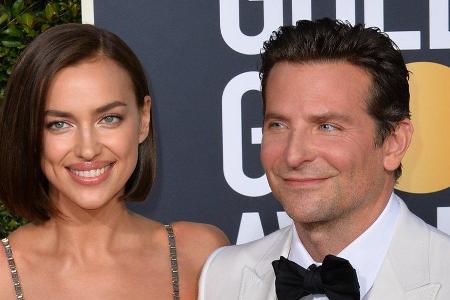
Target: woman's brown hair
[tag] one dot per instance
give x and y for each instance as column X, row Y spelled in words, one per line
column 23, row 186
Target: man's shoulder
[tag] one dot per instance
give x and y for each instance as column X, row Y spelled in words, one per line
column 439, row 245
column 255, row 250
column 438, row 241
column 415, row 225
column 418, row 243
column 419, row 255
column 225, row 269
column 260, row 252
column 434, row 249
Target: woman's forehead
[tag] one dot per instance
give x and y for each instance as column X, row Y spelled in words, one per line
column 91, row 83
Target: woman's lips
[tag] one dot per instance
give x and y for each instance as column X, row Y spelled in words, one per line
column 90, row 165
column 90, row 173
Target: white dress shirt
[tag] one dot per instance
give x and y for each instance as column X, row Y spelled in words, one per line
column 366, row 253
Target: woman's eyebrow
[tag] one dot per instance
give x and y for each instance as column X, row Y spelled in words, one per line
column 109, row 106
column 58, row 113
column 101, row 109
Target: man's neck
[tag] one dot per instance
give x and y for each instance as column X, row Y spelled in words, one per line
column 331, row 237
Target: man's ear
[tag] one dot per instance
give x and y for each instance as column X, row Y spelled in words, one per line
column 145, row 118
column 396, row 144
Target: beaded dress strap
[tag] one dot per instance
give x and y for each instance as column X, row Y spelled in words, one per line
column 173, row 262
column 13, row 269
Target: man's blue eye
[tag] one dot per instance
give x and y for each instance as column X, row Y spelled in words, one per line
column 275, row 125
column 327, row 127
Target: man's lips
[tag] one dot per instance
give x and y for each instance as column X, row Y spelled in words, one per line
column 304, row 181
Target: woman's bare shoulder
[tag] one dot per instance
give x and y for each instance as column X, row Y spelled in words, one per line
column 6, row 284
column 198, row 239
column 18, row 241
column 200, row 232
column 195, row 242
column 22, row 238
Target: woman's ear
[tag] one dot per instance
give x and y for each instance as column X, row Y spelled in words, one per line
column 145, row 118
column 396, row 144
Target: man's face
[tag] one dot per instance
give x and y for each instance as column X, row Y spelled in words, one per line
column 318, row 143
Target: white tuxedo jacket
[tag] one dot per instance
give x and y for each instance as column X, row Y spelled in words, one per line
column 417, row 265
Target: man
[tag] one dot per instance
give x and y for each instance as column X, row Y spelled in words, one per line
column 336, row 127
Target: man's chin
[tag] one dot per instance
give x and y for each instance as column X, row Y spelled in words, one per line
column 306, row 213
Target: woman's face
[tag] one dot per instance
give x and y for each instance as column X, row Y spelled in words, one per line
column 92, row 130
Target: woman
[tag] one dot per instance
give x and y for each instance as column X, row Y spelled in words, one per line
column 76, row 143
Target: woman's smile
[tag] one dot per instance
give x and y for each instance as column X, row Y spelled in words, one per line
column 90, row 173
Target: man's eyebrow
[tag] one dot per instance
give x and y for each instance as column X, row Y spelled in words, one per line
column 325, row 117
column 316, row 118
column 271, row 115
column 101, row 109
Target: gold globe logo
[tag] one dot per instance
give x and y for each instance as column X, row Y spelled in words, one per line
column 426, row 166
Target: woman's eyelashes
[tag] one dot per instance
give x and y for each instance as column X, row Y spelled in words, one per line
column 57, row 125
column 109, row 120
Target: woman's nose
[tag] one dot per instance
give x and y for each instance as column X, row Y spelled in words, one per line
column 87, row 145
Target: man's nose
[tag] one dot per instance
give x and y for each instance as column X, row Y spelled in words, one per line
column 299, row 149
column 87, row 145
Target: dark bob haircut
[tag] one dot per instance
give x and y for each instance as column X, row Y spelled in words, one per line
column 327, row 40
column 23, row 186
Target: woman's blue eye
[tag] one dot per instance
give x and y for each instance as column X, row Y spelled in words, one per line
column 111, row 119
column 58, row 125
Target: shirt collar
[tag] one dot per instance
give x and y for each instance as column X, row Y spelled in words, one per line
column 366, row 253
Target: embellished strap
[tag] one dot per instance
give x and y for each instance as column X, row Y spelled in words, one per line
column 173, row 262
column 13, row 269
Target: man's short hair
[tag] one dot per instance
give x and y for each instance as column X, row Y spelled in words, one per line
column 327, row 40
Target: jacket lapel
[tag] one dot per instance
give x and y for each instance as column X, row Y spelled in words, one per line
column 258, row 281
column 255, row 287
column 405, row 270
column 388, row 286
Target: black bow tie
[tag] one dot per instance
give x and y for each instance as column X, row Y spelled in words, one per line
column 335, row 278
